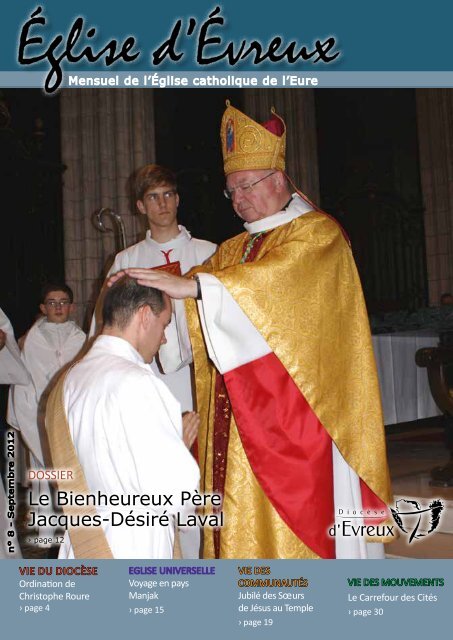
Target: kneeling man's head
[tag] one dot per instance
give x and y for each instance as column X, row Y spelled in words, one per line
column 137, row 314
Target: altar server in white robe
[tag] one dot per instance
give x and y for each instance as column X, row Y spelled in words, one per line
column 125, row 424
column 167, row 246
column 52, row 342
column 12, row 371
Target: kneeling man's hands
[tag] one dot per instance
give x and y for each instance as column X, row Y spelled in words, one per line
column 190, row 424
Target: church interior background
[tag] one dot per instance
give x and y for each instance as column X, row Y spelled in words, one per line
column 380, row 161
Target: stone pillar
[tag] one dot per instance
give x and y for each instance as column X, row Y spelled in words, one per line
column 297, row 108
column 435, row 133
column 106, row 135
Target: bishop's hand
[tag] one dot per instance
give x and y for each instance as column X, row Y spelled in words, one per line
column 175, row 286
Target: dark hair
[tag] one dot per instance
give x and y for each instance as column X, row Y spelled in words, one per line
column 124, row 298
column 150, row 176
column 56, row 286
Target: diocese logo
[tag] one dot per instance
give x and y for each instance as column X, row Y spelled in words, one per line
column 414, row 520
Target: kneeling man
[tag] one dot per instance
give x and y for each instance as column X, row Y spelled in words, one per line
column 126, row 429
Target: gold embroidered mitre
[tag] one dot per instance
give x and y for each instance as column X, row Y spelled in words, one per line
column 247, row 145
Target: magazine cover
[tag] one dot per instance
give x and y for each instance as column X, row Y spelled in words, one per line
column 226, row 318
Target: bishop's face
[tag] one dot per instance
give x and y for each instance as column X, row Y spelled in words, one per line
column 256, row 194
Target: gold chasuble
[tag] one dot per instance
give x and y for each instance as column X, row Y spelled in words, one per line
column 302, row 292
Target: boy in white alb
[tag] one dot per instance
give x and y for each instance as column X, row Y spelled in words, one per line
column 52, row 342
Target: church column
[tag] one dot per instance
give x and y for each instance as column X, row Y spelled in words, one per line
column 435, row 133
column 297, row 108
column 106, row 135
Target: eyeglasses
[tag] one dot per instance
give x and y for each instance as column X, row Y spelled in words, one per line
column 155, row 197
column 57, row 303
column 245, row 188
